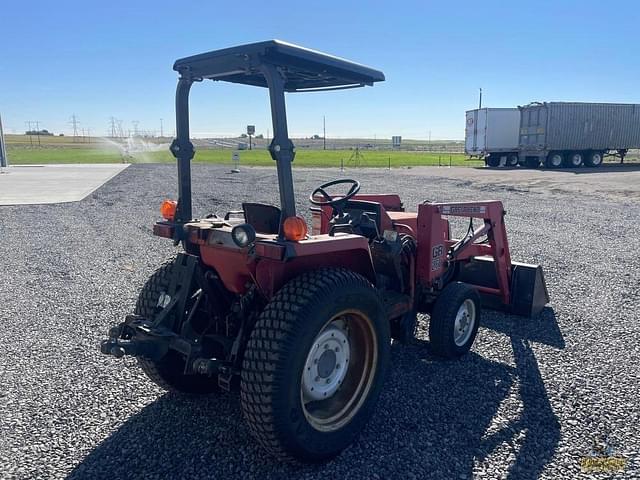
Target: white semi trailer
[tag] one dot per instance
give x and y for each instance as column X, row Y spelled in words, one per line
column 493, row 134
column 553, row 134
column 571, row 134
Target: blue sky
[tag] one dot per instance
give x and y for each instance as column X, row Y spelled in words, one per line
column 103, row 59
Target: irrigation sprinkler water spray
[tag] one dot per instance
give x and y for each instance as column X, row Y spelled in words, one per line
column 135, row 148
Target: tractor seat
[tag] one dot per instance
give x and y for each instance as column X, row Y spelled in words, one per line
column 262, row 217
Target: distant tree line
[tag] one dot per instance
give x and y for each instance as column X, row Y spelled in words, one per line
column 43, row 132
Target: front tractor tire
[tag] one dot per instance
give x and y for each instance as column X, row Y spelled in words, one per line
column 455, row 319
column 168, row 372
column 315, row 364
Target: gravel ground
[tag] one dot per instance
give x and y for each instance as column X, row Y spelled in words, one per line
column 529, row 401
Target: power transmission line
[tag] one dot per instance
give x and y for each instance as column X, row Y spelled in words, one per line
column 38, row 131
column 74, row 122
column 112, row 123
column 29, row 131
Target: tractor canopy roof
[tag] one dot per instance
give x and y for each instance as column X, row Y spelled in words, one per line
column 302, row 69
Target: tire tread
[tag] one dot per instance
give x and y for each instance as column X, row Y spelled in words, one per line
column 271, row 339
column 444, row 309
column 146, row 307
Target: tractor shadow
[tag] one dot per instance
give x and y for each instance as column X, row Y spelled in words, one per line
column 435, row 419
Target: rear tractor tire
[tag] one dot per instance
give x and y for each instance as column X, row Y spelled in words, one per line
column 455, row 319
column 594, row 159
column 315, row 364
column 168, row 372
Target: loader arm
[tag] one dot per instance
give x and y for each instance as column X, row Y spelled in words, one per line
column 436, row 253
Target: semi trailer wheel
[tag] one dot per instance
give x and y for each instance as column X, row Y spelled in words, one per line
column 513, row 160
column 168, row 372
column 574, row 159
column 493, row 160
column 554, row 160
column 594, row 159
column 315, row 364
column 455, row 319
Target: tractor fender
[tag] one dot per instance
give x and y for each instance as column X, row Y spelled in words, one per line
column 272, row 274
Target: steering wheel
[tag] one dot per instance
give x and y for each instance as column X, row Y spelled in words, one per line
column 337, row 203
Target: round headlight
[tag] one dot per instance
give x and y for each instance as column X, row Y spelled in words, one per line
column 243, row 235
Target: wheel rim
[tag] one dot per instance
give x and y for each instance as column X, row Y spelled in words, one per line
column 465, row 322
column 339, row 370
column 556, row 160
column 576, row 159
column 596, row 159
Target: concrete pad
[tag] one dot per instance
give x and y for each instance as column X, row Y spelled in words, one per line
column 40, row 184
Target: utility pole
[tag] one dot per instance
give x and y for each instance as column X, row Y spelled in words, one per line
column 480, row 103
column 161, row 132
column 324, row 133
column 74, row 122
column 4, row 161
column 429, row 140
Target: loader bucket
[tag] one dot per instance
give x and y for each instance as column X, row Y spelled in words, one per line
column 529, row 293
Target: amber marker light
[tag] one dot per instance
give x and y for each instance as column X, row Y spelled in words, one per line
column 168, row 209
column 295, row 228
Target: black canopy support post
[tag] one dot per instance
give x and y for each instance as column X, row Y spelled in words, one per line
column 183, row 150
column 281, row 147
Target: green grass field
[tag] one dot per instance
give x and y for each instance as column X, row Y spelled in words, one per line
column 29, row 156
column 324, row 158
column 63, row 150
column 304, row 158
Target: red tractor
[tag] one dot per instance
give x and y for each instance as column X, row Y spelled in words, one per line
column 301, row 322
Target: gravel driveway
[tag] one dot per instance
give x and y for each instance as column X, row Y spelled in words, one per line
column 529, row 401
